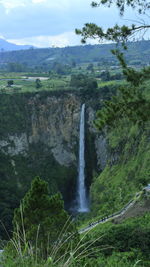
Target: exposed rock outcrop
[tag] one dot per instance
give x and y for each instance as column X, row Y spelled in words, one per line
column 40, row 136
column 53, row 121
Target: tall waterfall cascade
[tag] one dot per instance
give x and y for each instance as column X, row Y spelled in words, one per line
column 82, row 197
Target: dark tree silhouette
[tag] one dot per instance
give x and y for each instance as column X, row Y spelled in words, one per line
column 40, row 219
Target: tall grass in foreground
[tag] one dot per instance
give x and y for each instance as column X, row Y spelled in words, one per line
column 21, row 253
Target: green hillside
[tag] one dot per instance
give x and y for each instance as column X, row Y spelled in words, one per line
column 138, row 54
column 128, row 170
column 123, row 122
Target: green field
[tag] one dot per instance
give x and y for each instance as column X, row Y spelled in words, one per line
column 23, row 83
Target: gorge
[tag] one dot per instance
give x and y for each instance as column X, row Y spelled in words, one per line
column 40, row 137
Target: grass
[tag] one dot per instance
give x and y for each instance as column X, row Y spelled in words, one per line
column 11, row 75
column 109, row 83
column 23, row 82
column 20, row 253
column 54, row 82
column 119, row 181
column 26, row 85
column 137, row 197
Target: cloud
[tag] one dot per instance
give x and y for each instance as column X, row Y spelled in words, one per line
column 45, row 18
column 61, row 40
column 59, row 4
column 38, row 1
column 51, row 20
column 42, row 18
column 10, row 4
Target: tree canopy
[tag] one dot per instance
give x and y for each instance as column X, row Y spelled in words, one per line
column 83, row 81
column 130, row 101
column 117, row 33
column 142, row 5
column 41, row 221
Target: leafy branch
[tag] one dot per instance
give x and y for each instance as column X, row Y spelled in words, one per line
column 129, row 102
column 117, row 34
column 141, row 5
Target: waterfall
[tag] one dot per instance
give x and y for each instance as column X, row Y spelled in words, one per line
column 82, row 198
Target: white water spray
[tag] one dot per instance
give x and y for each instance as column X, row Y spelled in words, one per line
column 82, row 198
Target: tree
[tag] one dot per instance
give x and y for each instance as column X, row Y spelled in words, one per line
column 73, row 63
column 105, row 75
column 61, row 69
column 83, row 81
column 116, row 33
column 120, row 34
column 129, row 102
column 16, row 67
column 40, row 219
column 10, row 83
column 38, row 83
column 90, row 67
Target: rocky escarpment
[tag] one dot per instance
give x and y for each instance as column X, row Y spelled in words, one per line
column 39, row 137
column 51, row 120
column 55, row 123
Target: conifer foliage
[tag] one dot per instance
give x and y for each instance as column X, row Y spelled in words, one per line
column 42, row 220
column 118, row 33
column 130, row 100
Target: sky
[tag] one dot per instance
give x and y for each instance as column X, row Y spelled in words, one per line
column 47, row 23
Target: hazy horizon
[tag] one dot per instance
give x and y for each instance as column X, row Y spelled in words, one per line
column 44, row 23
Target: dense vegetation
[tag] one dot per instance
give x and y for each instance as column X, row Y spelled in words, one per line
column 126, row 173
column 63, row 59
column 125, row 116
column 124, row 122
column 40, row 219
column 128, row 170
column 122, row 244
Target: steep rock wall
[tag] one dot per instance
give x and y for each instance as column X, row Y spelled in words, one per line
column 51, row 120
column 39, row 136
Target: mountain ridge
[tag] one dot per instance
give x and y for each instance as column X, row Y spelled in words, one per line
column 137, row 55
column 8, row 46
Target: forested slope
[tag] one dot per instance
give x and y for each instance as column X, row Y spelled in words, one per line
column 127, row 172
column 138, row 52
column 127, row 130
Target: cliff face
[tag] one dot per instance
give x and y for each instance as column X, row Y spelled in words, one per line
column 54, row 122
column 40, row 135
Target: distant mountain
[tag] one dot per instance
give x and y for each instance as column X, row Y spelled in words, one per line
column 138, row 54
column 7, row 46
